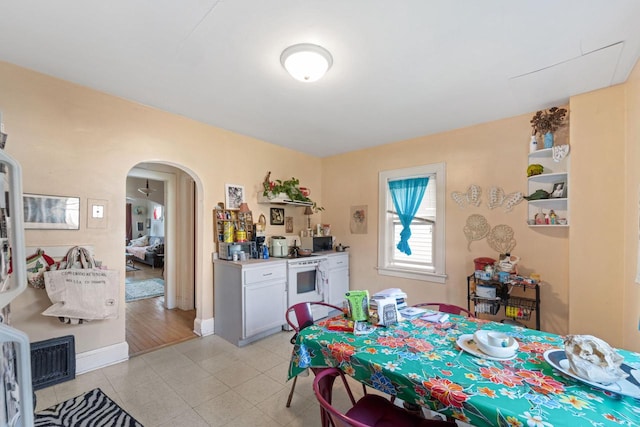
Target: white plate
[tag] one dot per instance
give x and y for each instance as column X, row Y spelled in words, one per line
column 467, row 343
column 627, row 387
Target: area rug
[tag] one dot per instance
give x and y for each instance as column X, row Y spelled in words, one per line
column 93, row 408
column 141, row 289
column 132, row 268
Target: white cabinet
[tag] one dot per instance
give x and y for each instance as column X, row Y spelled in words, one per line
column 264, row 299
column 249, row 299
column 554, row 174
column 338, row 278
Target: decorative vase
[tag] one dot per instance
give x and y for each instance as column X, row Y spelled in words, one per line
column 548, row 140
column 533, row 145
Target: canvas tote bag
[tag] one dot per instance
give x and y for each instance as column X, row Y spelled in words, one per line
column 79, row 291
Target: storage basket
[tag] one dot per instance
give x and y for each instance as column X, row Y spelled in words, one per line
column 520, row 308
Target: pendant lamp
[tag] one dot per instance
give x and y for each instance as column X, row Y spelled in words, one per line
column 146, row 190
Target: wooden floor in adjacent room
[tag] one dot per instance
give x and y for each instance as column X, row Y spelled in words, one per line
column 149, row 325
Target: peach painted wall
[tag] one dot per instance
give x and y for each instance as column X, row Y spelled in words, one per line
column 490, row 154
column 74, row 141
column 631, row 300
column 605, row 300
column 597, row 230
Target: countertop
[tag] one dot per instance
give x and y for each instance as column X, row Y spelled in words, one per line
column 253, row 261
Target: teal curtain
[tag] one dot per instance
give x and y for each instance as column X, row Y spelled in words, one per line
column 407, row 195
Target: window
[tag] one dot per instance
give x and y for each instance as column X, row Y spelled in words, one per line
column 427, row 242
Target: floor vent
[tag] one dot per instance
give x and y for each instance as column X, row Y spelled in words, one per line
column 53, row 361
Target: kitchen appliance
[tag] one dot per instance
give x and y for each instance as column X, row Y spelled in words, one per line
column 279, row 247
column 16, row 391
column 305, row 283
column 318, row 243
column 228, row 249
column 340, row 248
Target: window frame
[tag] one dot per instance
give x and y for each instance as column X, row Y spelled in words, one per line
column 385, row 234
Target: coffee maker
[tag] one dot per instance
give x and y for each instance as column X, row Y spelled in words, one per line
column 259, row 238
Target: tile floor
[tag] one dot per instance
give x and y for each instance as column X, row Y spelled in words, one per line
column 204, row 382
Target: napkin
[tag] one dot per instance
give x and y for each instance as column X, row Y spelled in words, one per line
column 593, row 359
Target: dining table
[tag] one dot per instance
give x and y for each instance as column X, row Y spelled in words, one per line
column 436, row 365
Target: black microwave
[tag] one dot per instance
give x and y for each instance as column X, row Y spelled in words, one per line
column 317, row 244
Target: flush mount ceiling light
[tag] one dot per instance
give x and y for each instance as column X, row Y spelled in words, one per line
column 146, row 190
column 306, row 62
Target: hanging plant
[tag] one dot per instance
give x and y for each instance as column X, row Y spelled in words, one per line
column 548, row 121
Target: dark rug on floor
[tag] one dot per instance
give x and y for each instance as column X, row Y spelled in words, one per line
column 91, row 409
column 143, row 288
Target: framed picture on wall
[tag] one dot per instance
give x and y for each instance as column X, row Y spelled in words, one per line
column 234, row 195
column 288, row 224
column 51, row 212
column 277, row 216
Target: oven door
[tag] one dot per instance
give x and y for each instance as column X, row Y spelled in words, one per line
column 302, row 286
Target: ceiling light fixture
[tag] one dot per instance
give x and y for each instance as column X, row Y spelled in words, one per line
column 146, row 190
column 306, row 62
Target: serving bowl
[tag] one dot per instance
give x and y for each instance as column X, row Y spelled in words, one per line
column 481, row 337
column 304, row 252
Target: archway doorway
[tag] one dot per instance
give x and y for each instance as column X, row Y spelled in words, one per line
column 163, row 214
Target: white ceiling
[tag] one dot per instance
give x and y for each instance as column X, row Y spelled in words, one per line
column 401, row 69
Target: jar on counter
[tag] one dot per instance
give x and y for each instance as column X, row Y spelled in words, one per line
column 241, row 236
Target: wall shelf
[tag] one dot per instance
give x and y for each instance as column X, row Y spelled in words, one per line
column 553, row 173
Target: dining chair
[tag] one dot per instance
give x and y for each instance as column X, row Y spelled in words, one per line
column 303, row 317
column 371, row 410
column 446, row 308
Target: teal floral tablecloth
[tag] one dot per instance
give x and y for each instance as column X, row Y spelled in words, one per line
column 419, row 362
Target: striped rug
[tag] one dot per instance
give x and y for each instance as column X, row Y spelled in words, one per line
column 93, row 408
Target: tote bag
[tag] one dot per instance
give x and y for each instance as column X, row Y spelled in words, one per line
column 79, row 291
column 87, row 294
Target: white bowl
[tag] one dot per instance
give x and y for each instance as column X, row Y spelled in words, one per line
column 481, row 338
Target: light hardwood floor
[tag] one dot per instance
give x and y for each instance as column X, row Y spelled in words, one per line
column 149, row 325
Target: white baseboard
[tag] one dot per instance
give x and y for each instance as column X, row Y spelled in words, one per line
column 203, row 327
column 101, row 357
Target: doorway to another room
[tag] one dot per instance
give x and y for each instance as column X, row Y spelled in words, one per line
column 158, row 312
column 150, row 325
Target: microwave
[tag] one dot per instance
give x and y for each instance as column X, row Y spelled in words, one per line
column 226, row 250
column 318, row 243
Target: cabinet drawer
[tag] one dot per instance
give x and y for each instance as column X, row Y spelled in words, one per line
column 256, row 275
column 338, row 261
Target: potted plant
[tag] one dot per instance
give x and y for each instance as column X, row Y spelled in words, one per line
column 290, row 187
column 546, row 122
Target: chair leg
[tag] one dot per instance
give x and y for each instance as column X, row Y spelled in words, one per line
column 293, row 387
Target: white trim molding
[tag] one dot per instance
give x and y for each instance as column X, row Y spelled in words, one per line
column 101, row 357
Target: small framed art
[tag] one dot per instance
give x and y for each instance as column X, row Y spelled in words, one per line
column 277, row 216
column 234, row 195
column 558, row 191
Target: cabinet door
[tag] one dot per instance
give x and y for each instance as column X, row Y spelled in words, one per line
column 264, row 307
column 338, row 286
